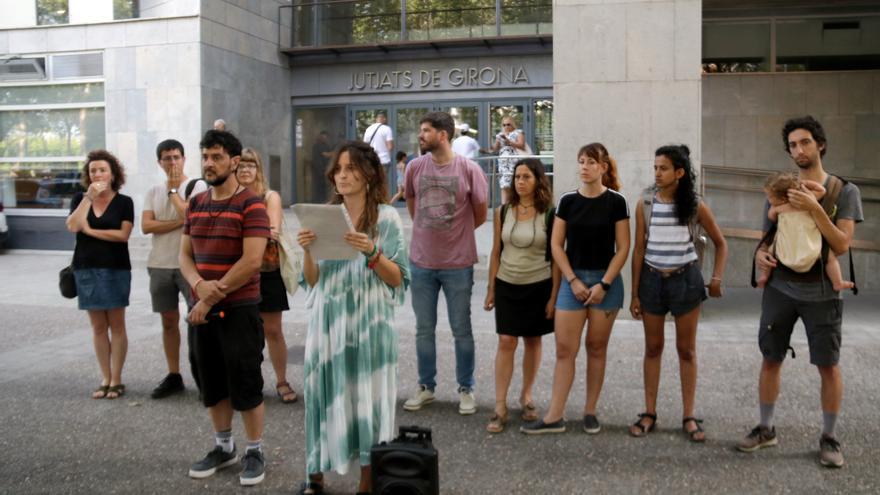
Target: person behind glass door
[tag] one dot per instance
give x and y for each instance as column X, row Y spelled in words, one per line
column 507, row 142
column 380, row 137
column 102, row 219
column 400, row 158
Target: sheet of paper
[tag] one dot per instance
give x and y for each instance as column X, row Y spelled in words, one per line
column 329, row 223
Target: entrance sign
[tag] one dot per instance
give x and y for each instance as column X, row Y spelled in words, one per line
column 473, row 77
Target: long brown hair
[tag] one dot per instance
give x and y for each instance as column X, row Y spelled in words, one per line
column 367, row 163
column 261, row 185
column 597, row 152
column 543, row 190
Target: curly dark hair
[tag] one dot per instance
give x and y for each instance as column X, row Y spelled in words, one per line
column 366, row 161
column 686, row 192
column 543, row 190
column 224, row 139
column 115, row 168
column 809, row 124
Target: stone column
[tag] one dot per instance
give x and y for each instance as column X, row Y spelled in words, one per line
column 626, row 73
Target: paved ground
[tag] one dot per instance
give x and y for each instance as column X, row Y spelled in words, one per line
column 54, row 439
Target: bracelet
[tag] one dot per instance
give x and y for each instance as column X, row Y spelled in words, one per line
column 197, row 283
column 372, row 264
column 572, row 279
column 716, row 278
column 372, row 253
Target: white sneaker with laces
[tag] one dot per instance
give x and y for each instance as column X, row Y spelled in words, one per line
column 467, row 404
column 422, row 398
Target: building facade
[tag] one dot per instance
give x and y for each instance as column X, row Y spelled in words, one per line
column 295, row 77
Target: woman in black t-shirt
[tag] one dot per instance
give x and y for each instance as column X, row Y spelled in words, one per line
column 590, row 243
column 102, row 219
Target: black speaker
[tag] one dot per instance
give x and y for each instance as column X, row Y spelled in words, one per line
column 408, row 465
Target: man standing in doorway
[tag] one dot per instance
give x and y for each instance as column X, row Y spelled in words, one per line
column 790, row 295
column 446, row 196
column 164, row 210
column 220, row 256
column 381, row 139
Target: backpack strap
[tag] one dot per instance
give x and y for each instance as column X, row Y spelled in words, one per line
column 549, row 216
column 189, row 188
column 504, row 208
column 648, row 207
column 829, row 204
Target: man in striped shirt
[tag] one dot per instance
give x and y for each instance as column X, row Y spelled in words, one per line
column 221, row 250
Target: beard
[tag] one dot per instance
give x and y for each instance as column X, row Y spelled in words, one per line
column 218, row 180
column 426, row 147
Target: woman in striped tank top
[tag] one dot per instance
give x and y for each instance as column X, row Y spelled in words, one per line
column 666, row 278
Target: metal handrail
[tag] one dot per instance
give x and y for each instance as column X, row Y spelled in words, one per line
column 491, row 170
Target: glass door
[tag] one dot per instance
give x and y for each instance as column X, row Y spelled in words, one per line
column 498, row 111
column 317, row 132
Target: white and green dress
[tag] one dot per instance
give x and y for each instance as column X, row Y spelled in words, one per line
column 350, row 371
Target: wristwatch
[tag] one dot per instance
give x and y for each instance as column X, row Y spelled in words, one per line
column 171, row 191
column 605, row 287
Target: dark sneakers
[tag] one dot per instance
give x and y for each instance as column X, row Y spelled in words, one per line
column 591, row 424
column 171, row 384
column 216, row 459
column 253, row 468
column 759, row 438
column 829, row 452
column 539, row 427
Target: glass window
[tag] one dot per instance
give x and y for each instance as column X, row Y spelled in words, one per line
column 45, row 95
column 828, row 44
column 431, row 20
column 524, row 17
column 736, row 46
column 44, row 133
column 45, row 184
column 52, row 12
column 125, row 9
column 318, row 131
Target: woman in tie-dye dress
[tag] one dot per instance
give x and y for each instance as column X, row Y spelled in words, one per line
column 350, row 372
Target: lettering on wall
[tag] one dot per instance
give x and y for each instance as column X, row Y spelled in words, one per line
column 470, row 77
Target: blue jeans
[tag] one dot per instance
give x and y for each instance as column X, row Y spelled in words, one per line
column 457, row 285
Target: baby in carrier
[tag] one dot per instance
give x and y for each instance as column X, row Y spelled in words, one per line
column 798, row 241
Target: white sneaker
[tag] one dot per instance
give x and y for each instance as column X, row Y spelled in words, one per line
column 422, row 398
column 467, row 404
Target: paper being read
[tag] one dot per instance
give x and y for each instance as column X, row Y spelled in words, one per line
column 329, row 223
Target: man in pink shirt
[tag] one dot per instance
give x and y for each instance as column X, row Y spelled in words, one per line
column 446, row 195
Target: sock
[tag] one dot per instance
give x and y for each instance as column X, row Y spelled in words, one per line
column 224, row 440
column 829, row 420
column 255, row 445
column 767, row 414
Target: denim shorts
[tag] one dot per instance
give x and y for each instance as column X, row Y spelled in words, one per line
column 613, row 300
column 102, row 288
column 678, row 292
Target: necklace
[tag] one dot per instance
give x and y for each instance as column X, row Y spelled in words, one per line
column 512, row 229
column 228, row 201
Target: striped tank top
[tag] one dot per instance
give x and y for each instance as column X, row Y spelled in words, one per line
column 669, row 244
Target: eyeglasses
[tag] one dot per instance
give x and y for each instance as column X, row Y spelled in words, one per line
column 247, row 165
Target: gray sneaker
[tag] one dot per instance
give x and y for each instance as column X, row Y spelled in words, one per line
column 216, row 459
column 253, row 468
column 467, row 404
column 829, row 452
column 759, row 438
column 591, row 424
column 422, row 398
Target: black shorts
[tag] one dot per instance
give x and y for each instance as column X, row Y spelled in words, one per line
column 226, row 354
column 677, row 292
column 273, row 294
column 822, row 321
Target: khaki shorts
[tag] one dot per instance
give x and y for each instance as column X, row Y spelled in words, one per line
column 165, row 284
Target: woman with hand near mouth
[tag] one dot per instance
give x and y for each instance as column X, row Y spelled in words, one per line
column 102, row 219
column 273, row 294
column 350, row 378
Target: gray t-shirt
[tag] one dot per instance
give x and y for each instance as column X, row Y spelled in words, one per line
column 849, row 207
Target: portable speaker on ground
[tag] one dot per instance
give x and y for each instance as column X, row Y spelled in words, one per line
column 408, row 465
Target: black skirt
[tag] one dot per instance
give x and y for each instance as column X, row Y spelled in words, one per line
column 273, row 293
column 520, row 309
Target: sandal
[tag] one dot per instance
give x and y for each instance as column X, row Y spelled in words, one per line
column 285, row 396
column 529, row 412
column 638, row 429
column 693, row 434
column 315, row 487
column 100, row 392
column 497, row 423
column 117, row 391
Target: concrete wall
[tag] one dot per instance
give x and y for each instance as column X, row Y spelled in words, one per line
column 627, row 74
column 246, row 80
column 743, row 115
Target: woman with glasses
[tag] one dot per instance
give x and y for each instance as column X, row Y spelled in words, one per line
column 507, row 142
column 272, row 291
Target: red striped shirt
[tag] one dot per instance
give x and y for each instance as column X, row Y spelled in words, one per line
column 217, row 230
